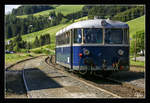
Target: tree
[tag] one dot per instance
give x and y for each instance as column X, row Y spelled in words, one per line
column 140, row 46
column 28, row 45
column 22, row 10
column 36, row 42
column 8, row 31
column 52, row 14
column 140, row 41
column 16, row 47
column 41, row 40
column 18, row 38
column 47, row 38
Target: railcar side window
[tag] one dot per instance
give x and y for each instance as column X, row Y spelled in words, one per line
column 93, row 35
column 58, row 40
column 67, row 36
column 113, row 36
column 63, row 38
column 77, row 36
column 126, row 36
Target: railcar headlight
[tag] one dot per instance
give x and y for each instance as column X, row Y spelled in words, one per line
column 120, row 52
column 86, row 52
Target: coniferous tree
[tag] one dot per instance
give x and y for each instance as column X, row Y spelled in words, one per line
column 47, row 36
column 36, row 42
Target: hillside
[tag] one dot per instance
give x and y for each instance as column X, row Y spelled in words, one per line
column 30, row 9
column 64, row 9
column 136, row 25
column 59, row 14
column 52, row 30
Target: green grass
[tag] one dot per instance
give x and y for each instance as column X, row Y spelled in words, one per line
column 136, row 25
column 47, row 49
column 64, row 9
column 137, row 63
column 12, row 58
column 83, row 18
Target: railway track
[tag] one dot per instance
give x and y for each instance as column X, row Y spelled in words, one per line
column 75, row 77
column 126, row 89
column 59, row 73
column 38, row 84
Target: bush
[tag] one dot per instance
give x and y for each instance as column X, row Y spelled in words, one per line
column 64, row 20
column 37, row 51
column 23, row 50
column 16, row 48
column 29, row 55
column 46, row 51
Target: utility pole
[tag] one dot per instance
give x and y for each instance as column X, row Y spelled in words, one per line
column 135, row 48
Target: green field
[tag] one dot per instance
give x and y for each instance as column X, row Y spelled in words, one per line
column 136, row 25
column 80, row 19
column 137, row 63
column 64, row 9
column 46, row 49
column 13, row 58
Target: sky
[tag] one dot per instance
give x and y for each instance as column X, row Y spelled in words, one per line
column 8, row 8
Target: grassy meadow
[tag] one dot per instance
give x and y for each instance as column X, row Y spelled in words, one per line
column 64, row 9
column 136, row 25
column 137, row 63
column 13, row 58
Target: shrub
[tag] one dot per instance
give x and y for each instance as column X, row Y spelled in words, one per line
column 37, row 51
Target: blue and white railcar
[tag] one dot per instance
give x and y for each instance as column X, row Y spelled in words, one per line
column 94, row 45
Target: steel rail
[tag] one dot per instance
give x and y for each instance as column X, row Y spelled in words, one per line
column 91, row 85
column 131, row 86
column 25, row 83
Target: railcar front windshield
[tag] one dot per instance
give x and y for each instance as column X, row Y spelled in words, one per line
column 92, row 35
column 113, row 36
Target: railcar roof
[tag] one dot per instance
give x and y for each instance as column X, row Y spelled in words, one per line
column 96, row 23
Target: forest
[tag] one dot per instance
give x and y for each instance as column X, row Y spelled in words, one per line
column 30, row 9
column 15, row 26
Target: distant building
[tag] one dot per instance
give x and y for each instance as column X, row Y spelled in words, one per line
column 141, row 52
column 8, row 42
column 50, row 17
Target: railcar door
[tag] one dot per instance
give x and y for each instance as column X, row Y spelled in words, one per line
column 71, row 47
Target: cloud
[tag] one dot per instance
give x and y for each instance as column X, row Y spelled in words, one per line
column 8, row 8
